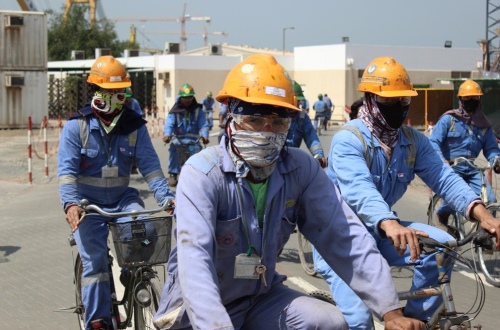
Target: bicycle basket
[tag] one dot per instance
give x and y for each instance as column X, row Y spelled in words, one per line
column 142, row 242
column 184, row 152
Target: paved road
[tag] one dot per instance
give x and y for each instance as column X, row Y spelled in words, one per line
column 35, row 258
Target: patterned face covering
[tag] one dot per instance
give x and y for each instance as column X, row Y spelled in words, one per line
column 106, row 102
column 259, row 151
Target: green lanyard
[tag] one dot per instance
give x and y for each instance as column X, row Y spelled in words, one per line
column 266, row 226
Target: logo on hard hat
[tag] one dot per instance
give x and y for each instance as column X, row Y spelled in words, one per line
column 98, row 65
column 372, row 69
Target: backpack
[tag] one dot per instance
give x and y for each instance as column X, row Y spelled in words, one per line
column 412, row 152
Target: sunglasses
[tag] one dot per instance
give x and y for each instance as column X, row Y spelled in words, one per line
column 405, row 100
column 257, row 123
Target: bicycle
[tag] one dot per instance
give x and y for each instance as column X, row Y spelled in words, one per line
column 305, row 254
column 446, row 316
column 488, row 258
column 140, row 245
column 319, row 122
column 187, row 149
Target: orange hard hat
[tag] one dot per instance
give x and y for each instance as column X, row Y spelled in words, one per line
column 469, row 88
column 107, row 72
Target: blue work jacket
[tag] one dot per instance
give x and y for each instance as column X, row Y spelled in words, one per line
column 452, row 138
column 215, row 213
column 303, row 129
column 186, row 121
column 208, row 103
column 371, row 192
column 80, row 162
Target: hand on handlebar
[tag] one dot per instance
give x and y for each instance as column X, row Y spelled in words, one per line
column 322, row 160
column 396, row 320
column 166, row 139
column 73, row 215
column 205, row 140
column 403, row 237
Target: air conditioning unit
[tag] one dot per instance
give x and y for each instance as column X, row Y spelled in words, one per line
column 131, row 53
column 102, row 51
column 77, row 55
column 172, row 48
column 13, row 21
column 14, row 81
column 164, row 76
column 215, row 49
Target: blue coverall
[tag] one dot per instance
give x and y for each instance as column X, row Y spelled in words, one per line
column 80, row 177
column 371, row 192
column 464, row 141
column 181, row 121
column 321, row 112
column 134, row 105
column 302, row 128
column 208, row 106
column 211, row 215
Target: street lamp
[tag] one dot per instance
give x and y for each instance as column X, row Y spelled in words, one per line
column 284, row 29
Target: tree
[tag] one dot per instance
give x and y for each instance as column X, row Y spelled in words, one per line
column 77, row 34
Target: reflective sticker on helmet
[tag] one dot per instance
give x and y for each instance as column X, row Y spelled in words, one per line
column 247, row 68
column 98, row 65
column 115, row 78
column 372, row 69
column 275, row 91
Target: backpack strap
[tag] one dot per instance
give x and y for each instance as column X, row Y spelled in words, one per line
column 357, row 132
column 84, row 133
column 452, row 124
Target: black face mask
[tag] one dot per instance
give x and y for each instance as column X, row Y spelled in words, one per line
column 470, row 105
column 394, row 114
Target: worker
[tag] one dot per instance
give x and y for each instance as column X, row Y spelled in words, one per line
column 465, row 132
column 97, row 148
column 187, row 122
column 302, row 129
column 372, row 161
column 237, row 204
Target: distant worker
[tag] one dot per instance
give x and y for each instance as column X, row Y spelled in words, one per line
column 302, row 128
column 330, row 107
column 131, row 102
column 208, row 106
column 321, row 111
column 465, row 132
column 222, row 119
column 184, row 118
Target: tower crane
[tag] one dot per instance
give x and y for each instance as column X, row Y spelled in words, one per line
column 93, row 4
column 182, row 19
column 27, row 5
column 204, row 34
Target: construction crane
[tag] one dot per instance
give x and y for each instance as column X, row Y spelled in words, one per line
column 492, row 34
column 93, row 4
column 204, row 34
column 27, row 5
column 182, row 19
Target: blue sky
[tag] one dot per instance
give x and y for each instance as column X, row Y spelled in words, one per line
column 260, row 23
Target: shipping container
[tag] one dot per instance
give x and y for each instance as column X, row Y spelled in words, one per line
column 23, row 40
column 22, row 94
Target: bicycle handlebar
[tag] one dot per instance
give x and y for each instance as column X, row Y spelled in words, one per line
column 470, row 162
column 432, row 243
column 86, row 207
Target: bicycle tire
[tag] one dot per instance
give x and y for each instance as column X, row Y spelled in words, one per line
column 79, row 310
column 143, row 315
column 458, row 226
column 489, row 259
column 305, row 254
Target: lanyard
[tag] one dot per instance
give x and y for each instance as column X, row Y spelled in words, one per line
column 266, row 226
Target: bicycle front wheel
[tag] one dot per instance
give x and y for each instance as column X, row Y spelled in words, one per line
column 489, row 258
column 305, row 254
column 79, row 310
column 144, row 309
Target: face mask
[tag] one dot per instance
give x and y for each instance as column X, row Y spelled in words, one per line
column 258, row 149
column 394, row 114
column 470, row 105
column 108, row 102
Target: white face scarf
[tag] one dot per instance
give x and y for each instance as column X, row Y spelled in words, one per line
column 258, row 151
column 108, row 102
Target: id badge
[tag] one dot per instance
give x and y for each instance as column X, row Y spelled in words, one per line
column 110, row 171
column 246, row 266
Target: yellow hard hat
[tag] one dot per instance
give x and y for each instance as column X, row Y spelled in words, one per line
column 469, row 88
column 384, row 76
column 108, row 72
column 259, row 79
